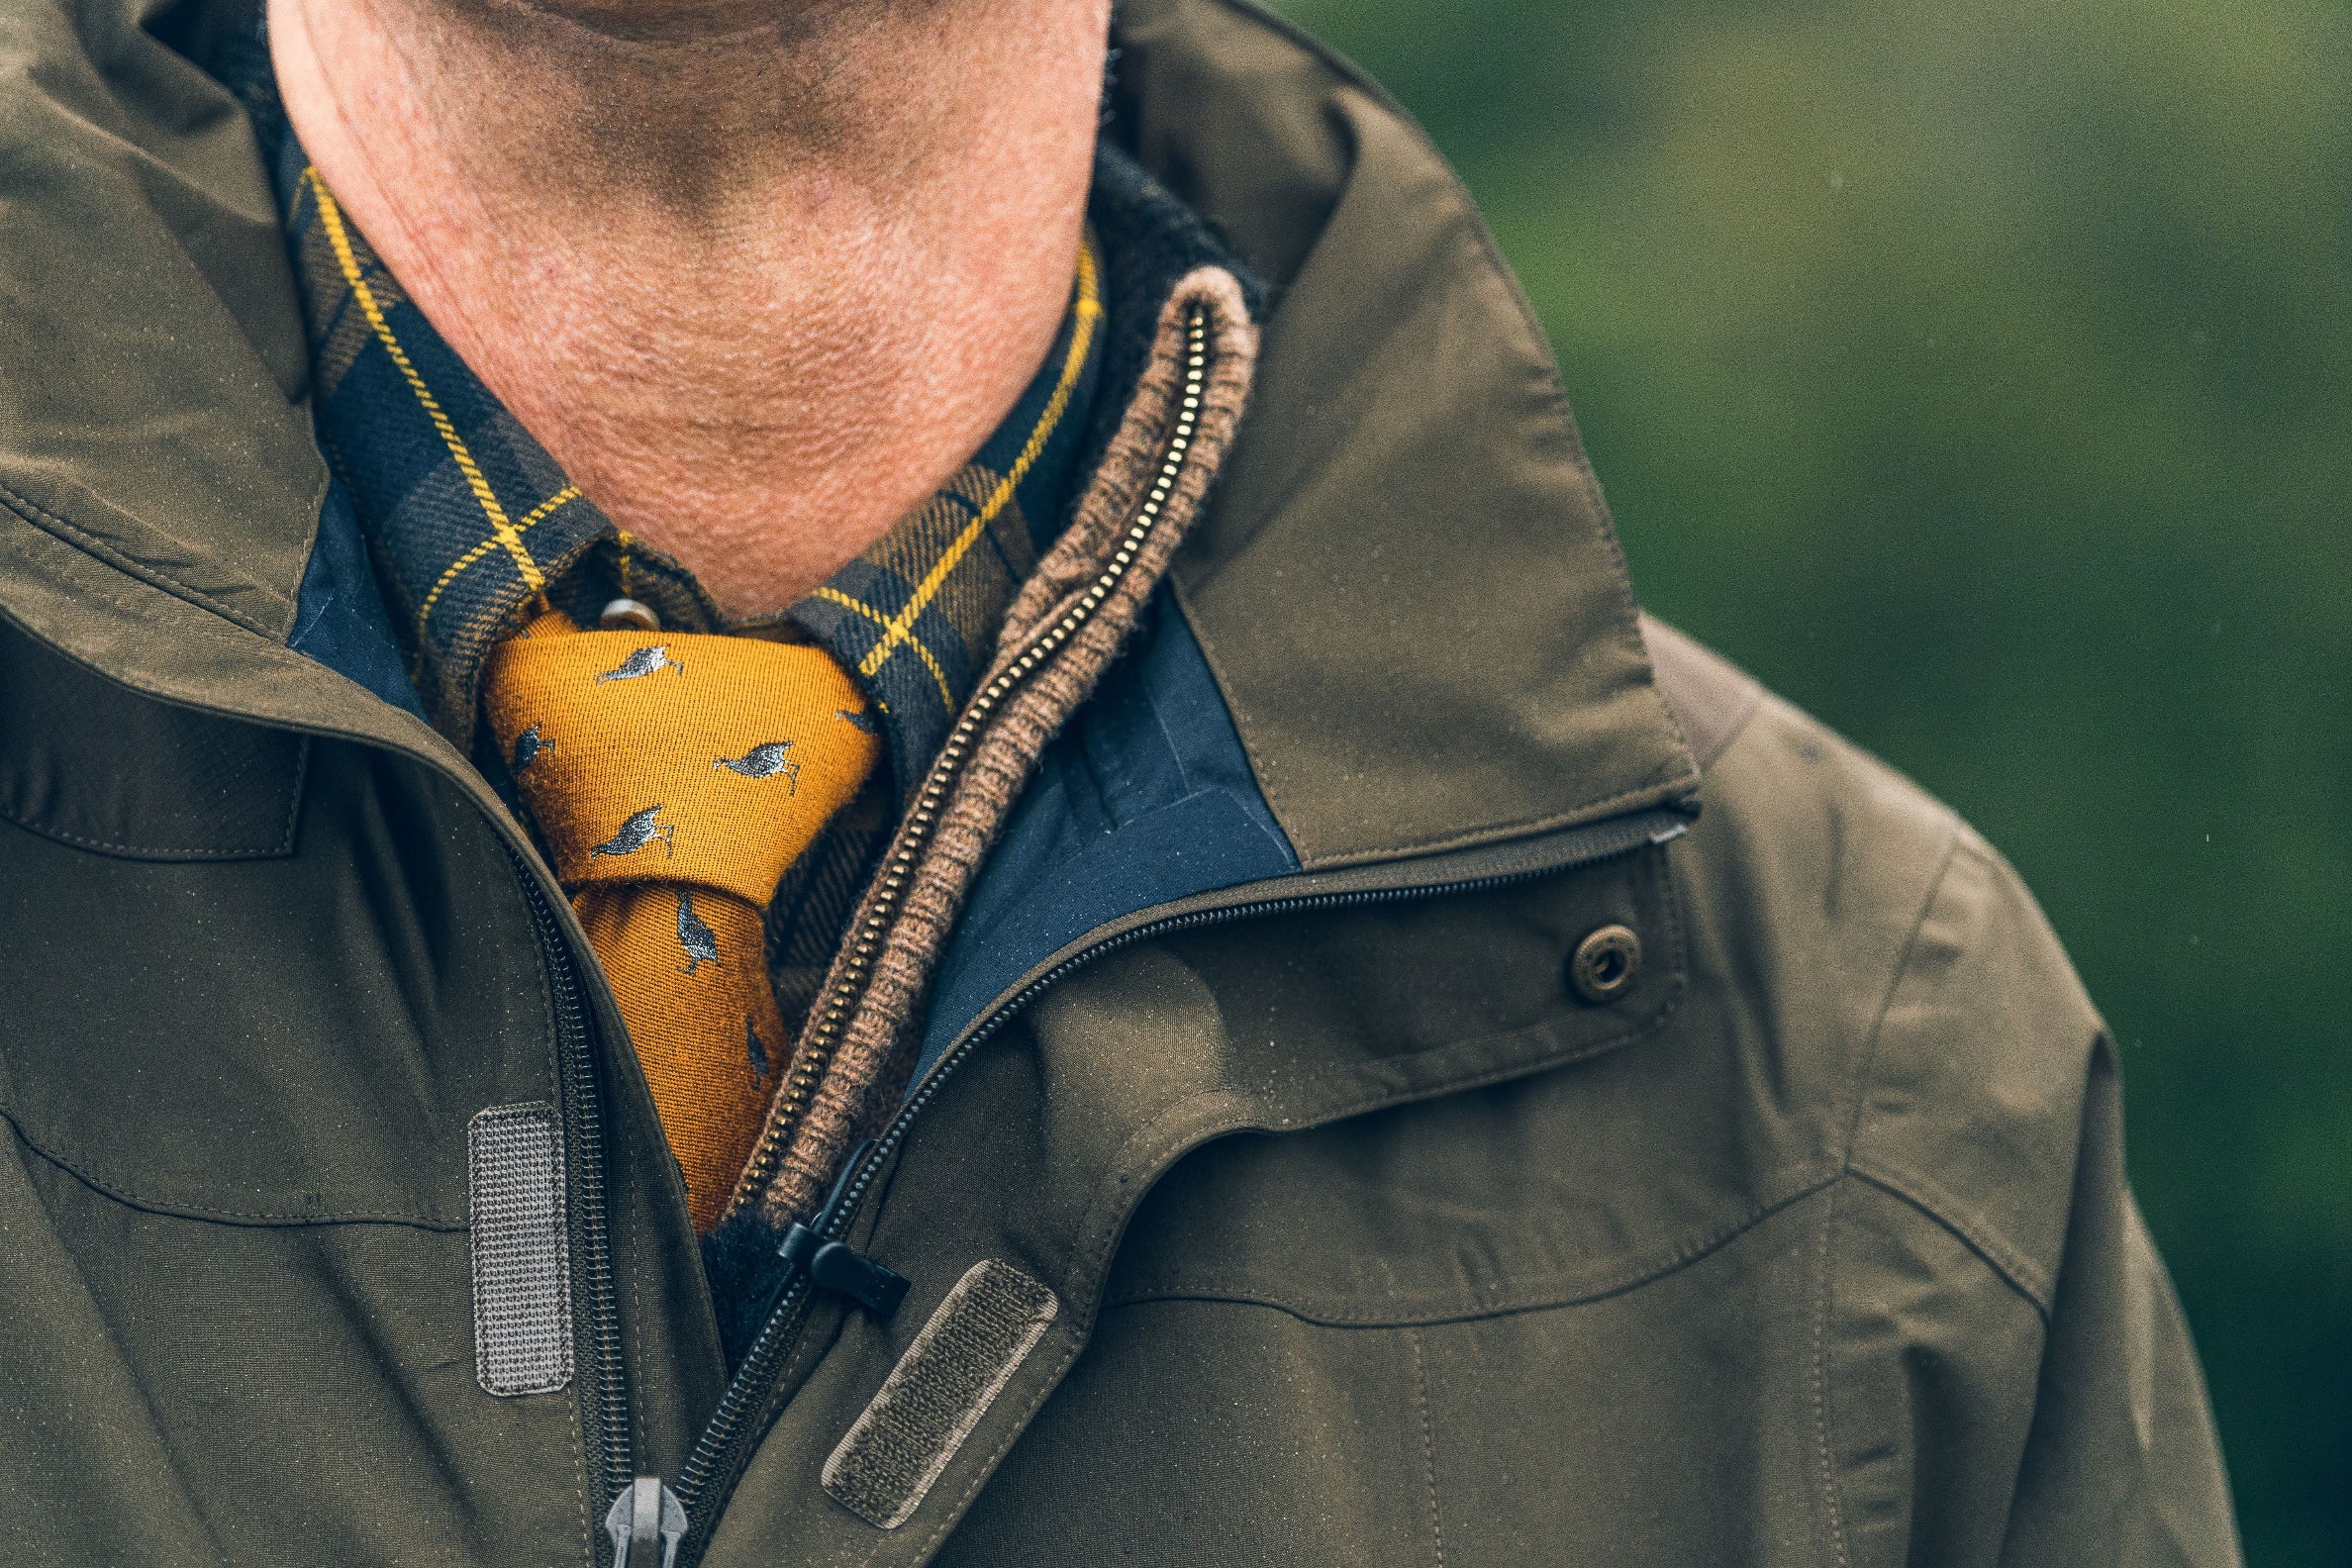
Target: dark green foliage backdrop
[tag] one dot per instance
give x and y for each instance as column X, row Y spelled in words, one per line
column 1976, row 371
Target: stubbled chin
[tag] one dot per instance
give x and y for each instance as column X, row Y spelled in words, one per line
column 664, row 20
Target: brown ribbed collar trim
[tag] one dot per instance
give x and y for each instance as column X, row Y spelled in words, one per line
column 1059, row 635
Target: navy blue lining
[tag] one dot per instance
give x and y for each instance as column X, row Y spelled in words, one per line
column 1145, row 796
column 340, row 617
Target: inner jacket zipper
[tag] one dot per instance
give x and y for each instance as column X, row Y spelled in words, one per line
column 724, row 1446
column 638, row 1512
column 719, row 1453
column 654, row 1527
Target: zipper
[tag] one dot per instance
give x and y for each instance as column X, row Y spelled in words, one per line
column 603, row 1393
column 645, row 1525
column 832, row 1015
column 717, row 1458
column 636, row 1504
column 724, row 1446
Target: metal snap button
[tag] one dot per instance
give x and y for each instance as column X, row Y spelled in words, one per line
column 1605, row 963
column 626, row 614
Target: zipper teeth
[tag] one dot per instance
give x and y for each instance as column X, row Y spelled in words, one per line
column 888, row 1143
column 1607, row 848
column 586, row 1135
column 784, row 1319
column 890, row 884
column 734, row 1406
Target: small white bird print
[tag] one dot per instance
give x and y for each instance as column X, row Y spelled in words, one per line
column 769, row 759
column 702, row 947
column 644, row 661
column 639, row 830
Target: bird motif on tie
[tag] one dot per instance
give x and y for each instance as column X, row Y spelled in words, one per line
column 733, row 773
column 701, row 946
column 641, row 662
column 527, row 747
column 640, row 830
column 765, row 761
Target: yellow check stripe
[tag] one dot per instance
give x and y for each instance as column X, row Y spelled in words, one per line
column 946, row 695
column 538, row 513
column 899, row 628
column 502, row 532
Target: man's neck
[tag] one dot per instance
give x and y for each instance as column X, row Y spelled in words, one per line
column 758, row 273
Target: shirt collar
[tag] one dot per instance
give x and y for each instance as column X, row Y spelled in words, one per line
column 468, row 520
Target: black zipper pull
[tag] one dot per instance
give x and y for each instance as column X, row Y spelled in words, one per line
column 836, row 1265
column 646, row 1524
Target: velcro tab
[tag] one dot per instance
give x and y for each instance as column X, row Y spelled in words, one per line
column 522, row 1274
column 938, row 1391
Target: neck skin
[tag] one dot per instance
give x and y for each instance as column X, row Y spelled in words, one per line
column 760, row 274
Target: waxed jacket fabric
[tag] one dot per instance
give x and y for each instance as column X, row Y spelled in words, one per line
column 1349, row 1227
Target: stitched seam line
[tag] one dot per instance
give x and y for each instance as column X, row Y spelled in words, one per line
column 1916, row 1192
column 502, row 529
column 1836, row 1513
column 144, row 851
column 302, row 759
column 1090, row 309
column 108, row 1188
column 90, row 544
column 1421, row 1397
column 1645, row 1273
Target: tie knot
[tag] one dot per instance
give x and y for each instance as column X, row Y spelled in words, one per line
column 653, row 756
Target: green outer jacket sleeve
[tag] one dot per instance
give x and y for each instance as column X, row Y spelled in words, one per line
column 2122, row 1464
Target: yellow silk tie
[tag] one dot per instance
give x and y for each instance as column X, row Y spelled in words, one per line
column 676, row 777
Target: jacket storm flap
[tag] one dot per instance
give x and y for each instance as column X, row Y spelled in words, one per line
column 1362, row 1125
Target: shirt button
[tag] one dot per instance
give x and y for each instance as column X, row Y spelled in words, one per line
column 1605, row 964
column 626, row 614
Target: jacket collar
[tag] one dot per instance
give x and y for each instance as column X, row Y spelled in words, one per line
column 1410, row 588
column 1406, row 587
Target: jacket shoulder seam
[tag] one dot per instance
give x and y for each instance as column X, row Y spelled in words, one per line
column 1711, row 700
column 1917, row 1192
column 1930, row 1197
column 1866, row 1065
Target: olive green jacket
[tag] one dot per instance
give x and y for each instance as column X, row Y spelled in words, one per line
column 1338, row 1214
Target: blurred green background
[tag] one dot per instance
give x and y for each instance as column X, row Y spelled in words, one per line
column 1979, row 373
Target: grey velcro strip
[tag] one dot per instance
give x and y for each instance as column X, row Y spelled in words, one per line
column 938, row 1393
column 522, row 1253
